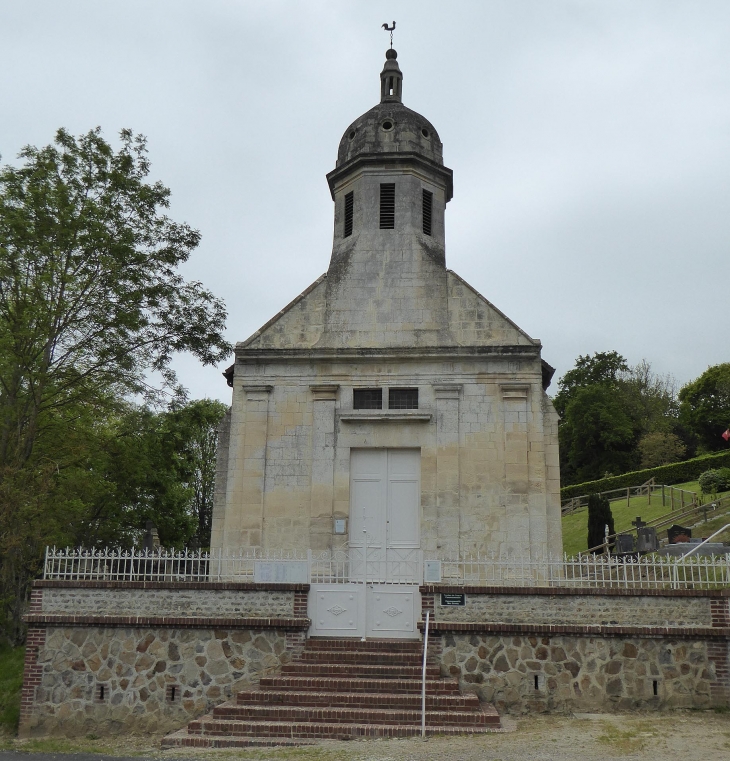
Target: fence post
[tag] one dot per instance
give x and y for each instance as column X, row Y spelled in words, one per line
column 671, row 497
column 628, row 496
column 663, row 499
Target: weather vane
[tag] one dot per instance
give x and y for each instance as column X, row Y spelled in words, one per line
column 390, row 29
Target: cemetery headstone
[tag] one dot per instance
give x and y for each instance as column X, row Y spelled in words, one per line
column 677, row 533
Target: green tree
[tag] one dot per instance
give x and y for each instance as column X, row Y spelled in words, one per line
column 90, row 297
column 597, row 435
column 705, row 407
column 603, row 368
column 607, row 407
column 91, row 303
column 193, row 430
column 599, row 516
column 661, row 448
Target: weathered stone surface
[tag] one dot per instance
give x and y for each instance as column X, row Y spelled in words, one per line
column 136, row 682
column 167, row 602
column 580, row 673
column 580, row 609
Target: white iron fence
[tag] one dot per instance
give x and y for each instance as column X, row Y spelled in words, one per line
column 405, row 567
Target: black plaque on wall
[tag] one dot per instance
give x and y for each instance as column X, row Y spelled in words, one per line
column 448, row 598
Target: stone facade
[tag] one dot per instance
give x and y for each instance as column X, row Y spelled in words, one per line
column 388, row 314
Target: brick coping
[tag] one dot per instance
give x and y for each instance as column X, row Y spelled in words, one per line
column 172, row 622
column 236, row 586
column 487, row 627
column 571, row 591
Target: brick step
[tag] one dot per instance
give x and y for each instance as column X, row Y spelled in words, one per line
column 358, row 714
column 375, row 670
column 181, row 739
column 362, row 656
column 389, row 645
column 363, row 684
column 324, row 730
column 403, row 700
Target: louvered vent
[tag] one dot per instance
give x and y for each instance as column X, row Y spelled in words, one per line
column 427, row 211
column 387, row 206
column 349, row 203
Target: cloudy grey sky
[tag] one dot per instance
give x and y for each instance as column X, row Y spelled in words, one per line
column 590, row 143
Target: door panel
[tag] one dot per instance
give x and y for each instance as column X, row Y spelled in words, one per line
column 367, row 497
column 403, row 514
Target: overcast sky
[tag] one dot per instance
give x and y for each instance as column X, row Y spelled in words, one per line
column 590, row 143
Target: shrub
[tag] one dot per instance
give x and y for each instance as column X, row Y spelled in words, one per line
column 714, row 480
column 676, row 473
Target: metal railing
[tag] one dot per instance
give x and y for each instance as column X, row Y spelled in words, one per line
column 401, row 567
column 671, row 496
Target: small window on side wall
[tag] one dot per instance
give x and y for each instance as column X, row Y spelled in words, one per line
column 367, row 399
column 349, row 205
column 403, row 399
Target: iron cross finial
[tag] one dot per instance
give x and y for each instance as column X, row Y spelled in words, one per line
column 390, row 29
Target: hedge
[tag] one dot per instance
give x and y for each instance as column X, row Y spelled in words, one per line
column 676, row 473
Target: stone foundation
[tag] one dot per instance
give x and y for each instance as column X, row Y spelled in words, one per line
column 111, row 657
column 545, row 649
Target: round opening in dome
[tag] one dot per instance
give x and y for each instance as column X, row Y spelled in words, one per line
column 387, row 125
column 352, row 134
column 425, row 132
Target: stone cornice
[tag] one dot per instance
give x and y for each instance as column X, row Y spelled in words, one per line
column 244, row 354
column 581, row 630
column 168, row 622
column 365, row 160
column 236, row 586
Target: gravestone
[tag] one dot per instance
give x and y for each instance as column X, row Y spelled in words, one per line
column 647, row 540
column 624, row 544
column 677, row 533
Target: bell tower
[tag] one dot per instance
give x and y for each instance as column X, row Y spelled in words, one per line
column 386, row 281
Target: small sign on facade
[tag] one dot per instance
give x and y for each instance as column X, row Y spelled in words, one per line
column 449, row 598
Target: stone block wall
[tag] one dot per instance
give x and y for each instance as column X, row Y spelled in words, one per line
column 113, row 657
column 585, row 650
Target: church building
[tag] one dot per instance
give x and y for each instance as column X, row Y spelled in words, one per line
column 390, row 405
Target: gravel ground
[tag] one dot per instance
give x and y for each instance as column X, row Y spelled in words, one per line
column 680, row 735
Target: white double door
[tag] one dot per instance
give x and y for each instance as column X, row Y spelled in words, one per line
column 382, row 598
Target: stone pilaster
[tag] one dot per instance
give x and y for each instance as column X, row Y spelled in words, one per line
column 515, row 404
column 323, row 466
column 447, row 466
column 247, row 469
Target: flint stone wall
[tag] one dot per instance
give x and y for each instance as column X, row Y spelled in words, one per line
column 579, row 673
column 137, row 668
column 223, row 603
column 579, row 610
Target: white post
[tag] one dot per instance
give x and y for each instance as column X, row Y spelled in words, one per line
column 423, row 678
column 365, row 582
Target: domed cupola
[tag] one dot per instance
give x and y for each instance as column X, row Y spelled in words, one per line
column 390, row 127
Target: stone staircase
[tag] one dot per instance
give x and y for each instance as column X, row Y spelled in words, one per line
column 341, row 689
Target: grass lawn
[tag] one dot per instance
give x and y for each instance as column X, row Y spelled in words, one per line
column 575, row 525
column 11, row 680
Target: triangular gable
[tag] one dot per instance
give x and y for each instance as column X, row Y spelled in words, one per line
column 475, row 321
column 299, row 324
